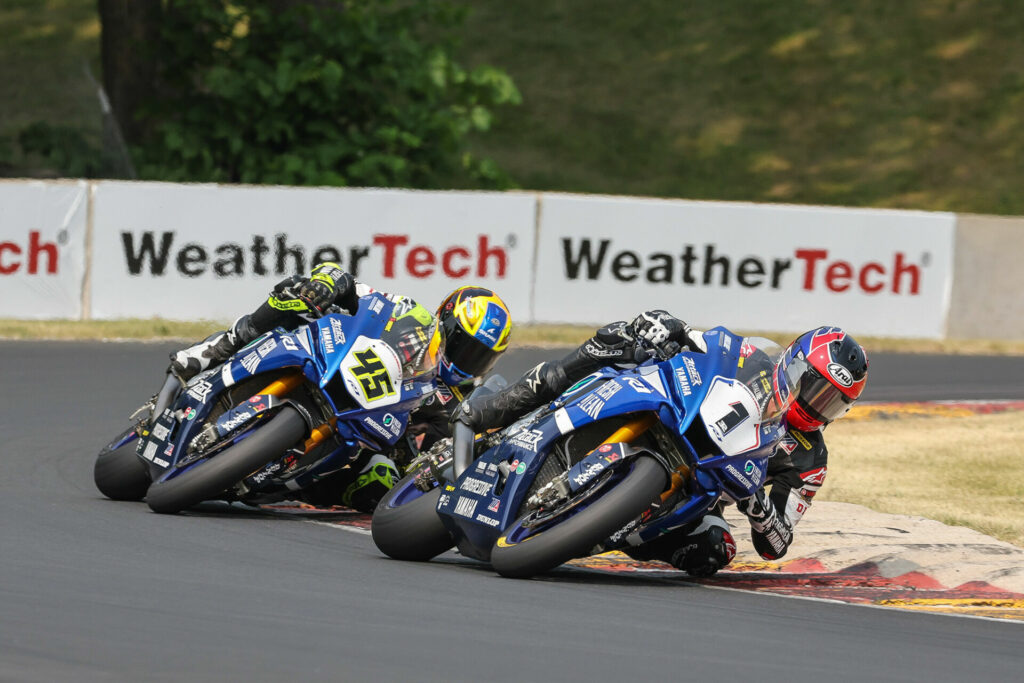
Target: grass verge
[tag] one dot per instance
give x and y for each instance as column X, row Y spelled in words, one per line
column 962, row 471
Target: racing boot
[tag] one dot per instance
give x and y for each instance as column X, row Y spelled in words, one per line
column 217, row 348
column 612, row 344
column 699, row 548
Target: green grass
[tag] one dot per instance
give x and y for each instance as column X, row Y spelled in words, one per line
column 913, row 104
column 45, row 47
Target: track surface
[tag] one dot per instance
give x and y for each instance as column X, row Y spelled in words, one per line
column 92, row 589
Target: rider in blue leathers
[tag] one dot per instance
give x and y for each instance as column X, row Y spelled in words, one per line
column 830, row 368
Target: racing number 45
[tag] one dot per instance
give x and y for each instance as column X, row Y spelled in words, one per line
column 372, row 376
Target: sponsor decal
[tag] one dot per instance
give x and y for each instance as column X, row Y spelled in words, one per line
column 251, row 362
column 788, row 443
column 444, row 499
column 392, row 423
column 840, row 374
column 265, row 474
column 605, row 448
column 575, row 387
column 815, row 477
column 191, row 414
column 593, row 469
column 811, row 269
column 591, row 405
column 160, row 432
column 235, row 421
column 477, row 486
column 289, row 343
column 527, row 440
column 160, row 461
column 608, row 389
column 739, row 476
column 337, row 331
column 520, row 468
column 466, row 507
column 200, row 391
column 684, row 382
column 495, row 504
column 375, row 426
column 29, row 259
column 691, row 369
column 150, row 451
column 802, row 439
column 266, row 347
column 158, row 253
column 169, row 450
column 327, row 339
column 376, row 305
column 612, row 457
column 637, row 385
column 489, row 521
column 751, row 469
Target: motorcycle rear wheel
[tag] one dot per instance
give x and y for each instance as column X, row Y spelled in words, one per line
column 120, row 474
column 577, row 535
column 411, row 531
column 208, row 480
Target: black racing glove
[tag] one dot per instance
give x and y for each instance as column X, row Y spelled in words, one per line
column 666, row 332
column 769, row 530
column 615, row 343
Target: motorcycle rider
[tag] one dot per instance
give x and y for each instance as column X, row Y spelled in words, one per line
column 474, row 324
column 827, row 365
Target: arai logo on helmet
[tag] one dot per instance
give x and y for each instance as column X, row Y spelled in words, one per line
column 840, row 374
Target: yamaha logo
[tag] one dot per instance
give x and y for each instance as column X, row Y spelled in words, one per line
column 840, row 374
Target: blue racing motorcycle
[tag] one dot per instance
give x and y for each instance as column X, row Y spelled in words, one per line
column 619, row 458
column 286, row 411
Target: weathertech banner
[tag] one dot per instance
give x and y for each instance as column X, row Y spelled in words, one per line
column 745, row 266
column 204, row 251
column 42, row 248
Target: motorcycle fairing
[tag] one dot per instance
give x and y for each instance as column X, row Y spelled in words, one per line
column 318, row 350
column 674, row 390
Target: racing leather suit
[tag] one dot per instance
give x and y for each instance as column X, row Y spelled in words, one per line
column 702, row 547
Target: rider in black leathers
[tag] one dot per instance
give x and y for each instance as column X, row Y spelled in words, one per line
column 469, row 350
column 795, row 472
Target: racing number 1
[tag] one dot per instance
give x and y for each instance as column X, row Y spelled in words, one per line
column 372, row 375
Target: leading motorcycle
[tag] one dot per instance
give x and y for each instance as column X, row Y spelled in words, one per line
column 622, row 456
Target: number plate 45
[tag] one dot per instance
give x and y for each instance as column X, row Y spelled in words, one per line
column 372, row 373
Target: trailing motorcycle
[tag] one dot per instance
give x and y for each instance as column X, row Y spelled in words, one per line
column 286, row 411
column 619, row 458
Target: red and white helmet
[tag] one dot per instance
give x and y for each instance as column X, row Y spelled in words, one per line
column 827, row 370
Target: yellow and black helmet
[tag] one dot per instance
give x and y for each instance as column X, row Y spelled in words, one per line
column 476, row 324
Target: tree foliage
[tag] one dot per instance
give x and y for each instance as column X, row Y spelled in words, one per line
column 318, row 93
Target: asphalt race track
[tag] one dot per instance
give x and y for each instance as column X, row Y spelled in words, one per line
column 95, row 590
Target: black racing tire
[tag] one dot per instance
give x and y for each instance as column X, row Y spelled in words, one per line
column 121, row 474
column 577, row 535
column 412, row 531
column 208, row 480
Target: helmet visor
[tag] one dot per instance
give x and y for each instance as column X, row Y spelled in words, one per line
column 822, row 399
column 468, row 354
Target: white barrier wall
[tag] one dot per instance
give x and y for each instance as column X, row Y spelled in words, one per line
column 42, row 248
column 747, row 266
column 119, row 249
column 206, row 251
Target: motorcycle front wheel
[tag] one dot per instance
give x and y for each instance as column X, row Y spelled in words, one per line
column 208, row 480
column 119, row 473
column 405, row 526
column 578, row 533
